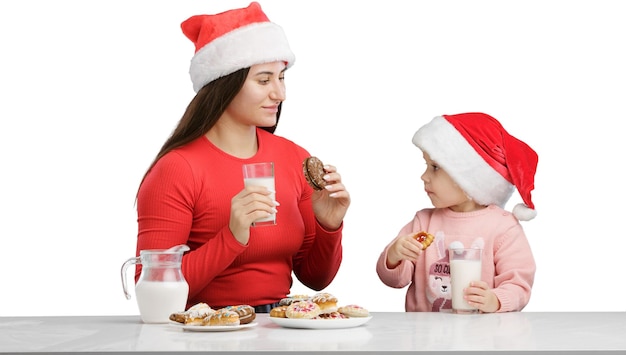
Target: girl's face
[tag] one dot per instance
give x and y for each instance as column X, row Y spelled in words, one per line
column 257, row 102
column 443, row 191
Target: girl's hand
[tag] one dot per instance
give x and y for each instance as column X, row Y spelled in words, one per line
column 331, row 204
column 480, row 296
column 404, row 248
column 252, row 203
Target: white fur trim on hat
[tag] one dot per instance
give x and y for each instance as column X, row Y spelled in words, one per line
column 257, row 43
column 449, row 149
column 523, row 213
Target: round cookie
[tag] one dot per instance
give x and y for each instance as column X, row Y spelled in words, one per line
column 178, row 317
column 303, row 310
column 332, row 315
column 353, row 310
column 425, row 238
column 313, row 170
column 291, row 299
column 326, row 301
column 246, row 312
column 222, row 317
column 279, row 312
column 194, row 315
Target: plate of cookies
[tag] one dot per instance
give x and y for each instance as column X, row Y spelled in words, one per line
column 320, row 311
column 202, row 318
column 213, row 328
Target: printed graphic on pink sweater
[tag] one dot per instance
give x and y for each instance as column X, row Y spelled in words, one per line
column 439, row 291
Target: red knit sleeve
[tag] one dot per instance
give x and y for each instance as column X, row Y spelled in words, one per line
column 319, row 258
column 165, row 207
column 164, row 204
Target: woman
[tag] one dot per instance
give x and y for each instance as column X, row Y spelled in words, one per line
column 193, row 193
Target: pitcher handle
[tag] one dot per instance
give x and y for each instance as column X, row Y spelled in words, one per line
column 127, row 263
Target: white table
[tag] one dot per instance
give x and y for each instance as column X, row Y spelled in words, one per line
column 394, row 331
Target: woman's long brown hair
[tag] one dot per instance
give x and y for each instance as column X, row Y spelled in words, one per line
column 204, row 110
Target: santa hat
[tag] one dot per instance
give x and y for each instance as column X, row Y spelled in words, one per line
column 482, row 158
column 233, row 40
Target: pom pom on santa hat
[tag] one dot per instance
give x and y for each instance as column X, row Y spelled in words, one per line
column 233, row 40
column 482, row 158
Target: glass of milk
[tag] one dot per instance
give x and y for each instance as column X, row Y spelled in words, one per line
column 261, row 174
column 161, row 288
column 465, row 267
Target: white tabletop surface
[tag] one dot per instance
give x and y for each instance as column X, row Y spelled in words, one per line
column 394, row 331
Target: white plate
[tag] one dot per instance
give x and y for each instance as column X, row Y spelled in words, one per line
column 320, row 323
column 212, row 328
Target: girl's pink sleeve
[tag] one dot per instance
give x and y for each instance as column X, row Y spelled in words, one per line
column 514, row 270
column 401, row 275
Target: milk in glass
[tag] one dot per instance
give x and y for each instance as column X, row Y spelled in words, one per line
column 261, row 174
column 465, row 267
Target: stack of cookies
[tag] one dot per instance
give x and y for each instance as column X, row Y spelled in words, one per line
column 202, row 314
column 322, row 305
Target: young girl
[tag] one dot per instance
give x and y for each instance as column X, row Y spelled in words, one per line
column 194, row 194
column 472, row 168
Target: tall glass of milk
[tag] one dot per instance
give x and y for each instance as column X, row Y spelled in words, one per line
column 161, row 288
column 465, row 267
column 261, row 174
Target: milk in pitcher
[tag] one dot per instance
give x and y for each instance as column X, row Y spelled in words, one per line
column 158, row 299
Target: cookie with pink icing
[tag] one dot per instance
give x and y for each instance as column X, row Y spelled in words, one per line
column 354, row 310
column 332, row 315
column 303, row 310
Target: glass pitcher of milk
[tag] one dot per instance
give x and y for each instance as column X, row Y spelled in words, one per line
column 161, row 288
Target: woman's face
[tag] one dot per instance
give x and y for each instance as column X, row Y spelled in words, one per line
column 257, row 102
column 443, row 191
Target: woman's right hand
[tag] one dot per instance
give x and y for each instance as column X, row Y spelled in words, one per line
column 250, row 204
column 403, row 248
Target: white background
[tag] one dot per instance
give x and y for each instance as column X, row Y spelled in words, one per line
column 90, row 90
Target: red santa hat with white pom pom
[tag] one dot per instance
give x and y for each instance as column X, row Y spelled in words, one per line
column 482, row 158
column 233, row 40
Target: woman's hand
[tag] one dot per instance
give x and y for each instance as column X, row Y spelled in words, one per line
column 480, row 296
column 252, row 203
column 404, row 248
column 331, row 204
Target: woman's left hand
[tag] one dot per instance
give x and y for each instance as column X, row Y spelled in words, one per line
column 331, row 204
